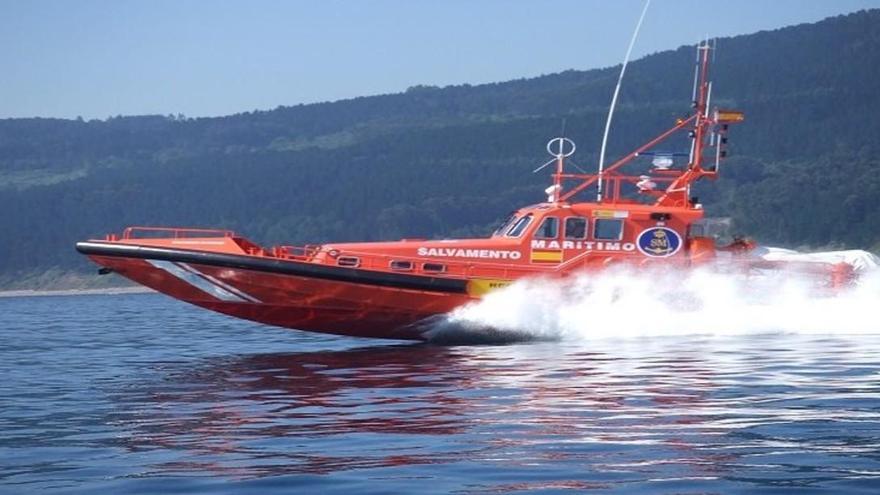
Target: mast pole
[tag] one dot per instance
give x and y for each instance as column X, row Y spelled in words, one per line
column 678, row 191
column 702, row 108
column 560, row 166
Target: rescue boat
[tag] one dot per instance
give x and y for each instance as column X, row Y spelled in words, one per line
column 389, row 289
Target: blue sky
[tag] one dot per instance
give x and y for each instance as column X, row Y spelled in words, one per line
column 98, row 58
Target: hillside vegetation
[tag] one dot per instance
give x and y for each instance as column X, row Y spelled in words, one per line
column 450, row 161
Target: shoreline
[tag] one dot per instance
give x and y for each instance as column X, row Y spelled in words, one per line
column 108, row 291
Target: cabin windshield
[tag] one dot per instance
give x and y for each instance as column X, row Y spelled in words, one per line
column 519, row 226
column 505, row 225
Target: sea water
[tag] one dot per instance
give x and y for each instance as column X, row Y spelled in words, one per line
column 626, row 384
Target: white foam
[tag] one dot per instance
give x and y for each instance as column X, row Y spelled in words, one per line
column 858, row 259
column 626, row 303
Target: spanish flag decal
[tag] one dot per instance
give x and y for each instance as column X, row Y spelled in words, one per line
column 546, row 255
column 729, row 116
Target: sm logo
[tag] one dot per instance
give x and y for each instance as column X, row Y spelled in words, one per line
column 659, row 242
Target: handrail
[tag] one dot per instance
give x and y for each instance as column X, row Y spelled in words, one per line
column 303, row 253
column 176, row 232
column 626, row 159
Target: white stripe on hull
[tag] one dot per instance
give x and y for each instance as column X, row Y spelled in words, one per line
column 213, row 287
column 219, row 282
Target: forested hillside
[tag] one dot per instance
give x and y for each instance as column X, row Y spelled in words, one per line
column 450, row 161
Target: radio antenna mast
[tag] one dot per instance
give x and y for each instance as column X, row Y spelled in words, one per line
column 614, row 99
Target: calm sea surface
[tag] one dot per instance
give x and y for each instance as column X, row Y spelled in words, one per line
column 142, row 394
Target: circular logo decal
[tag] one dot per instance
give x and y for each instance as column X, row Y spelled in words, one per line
column 659, row 242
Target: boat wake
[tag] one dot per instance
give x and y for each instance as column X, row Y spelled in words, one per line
column 626, row 304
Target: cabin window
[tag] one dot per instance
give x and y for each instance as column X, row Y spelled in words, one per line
column 505, row 225
column 434, row 267
column 548, row 229
column 608, row 229
column 520, row 226
column 576, row 228
column 348, row 261
column 715, row 228
column 400, row 265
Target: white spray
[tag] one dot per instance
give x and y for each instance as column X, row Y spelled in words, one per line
column 624, row 303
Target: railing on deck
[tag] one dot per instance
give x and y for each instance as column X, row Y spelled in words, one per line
column 173, row 233
column 298, row 253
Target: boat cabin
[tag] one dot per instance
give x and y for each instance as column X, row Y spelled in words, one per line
column 540, row 237
column 636, row 218
column 558, row 232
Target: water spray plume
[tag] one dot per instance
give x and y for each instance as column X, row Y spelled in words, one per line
column 622, row 303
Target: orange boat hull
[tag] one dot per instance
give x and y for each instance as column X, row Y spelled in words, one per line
column 292, row 301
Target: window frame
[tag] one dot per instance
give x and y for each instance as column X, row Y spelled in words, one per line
column 619, row 234
column 401, row 265
column 538, row 230
column 348, row 261
column 565, row 236
column 527, row 218
column 509, row 220
column 433, row 267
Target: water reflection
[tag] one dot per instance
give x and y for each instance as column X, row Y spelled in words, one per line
column 262, row 405
column 321, row 412
column 113, row 407
column 571, row 416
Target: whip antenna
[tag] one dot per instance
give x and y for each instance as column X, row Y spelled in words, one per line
column 614, row 99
